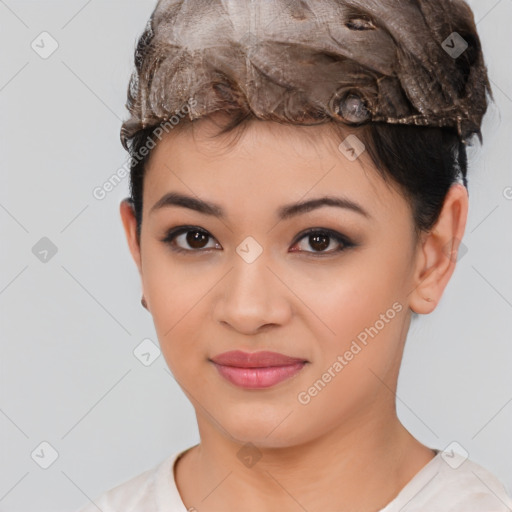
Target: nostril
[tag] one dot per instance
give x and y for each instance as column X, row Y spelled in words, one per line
column 360, row 22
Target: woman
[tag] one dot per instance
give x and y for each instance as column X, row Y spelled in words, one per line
column 282, row 267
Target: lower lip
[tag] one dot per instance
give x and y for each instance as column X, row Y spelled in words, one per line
column 257, row 378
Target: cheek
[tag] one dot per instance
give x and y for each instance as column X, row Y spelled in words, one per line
column 349, row 296
column 174, row 296
column 358, row 313
column 351, row 364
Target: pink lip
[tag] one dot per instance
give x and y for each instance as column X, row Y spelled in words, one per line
column 258, row 369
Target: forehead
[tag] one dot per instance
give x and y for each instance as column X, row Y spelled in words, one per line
column 266, row 165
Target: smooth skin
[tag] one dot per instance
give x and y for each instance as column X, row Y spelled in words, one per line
column 344, row 450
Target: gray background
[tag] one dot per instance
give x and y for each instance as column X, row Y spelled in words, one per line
column 69, row 325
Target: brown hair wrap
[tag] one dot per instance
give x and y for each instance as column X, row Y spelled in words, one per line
column 308, row 61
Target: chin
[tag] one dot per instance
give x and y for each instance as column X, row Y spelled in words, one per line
column 276, row 427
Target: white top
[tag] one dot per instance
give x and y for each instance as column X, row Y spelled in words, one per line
column 448, row 483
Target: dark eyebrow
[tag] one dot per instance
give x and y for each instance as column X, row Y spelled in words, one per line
column 285, row 212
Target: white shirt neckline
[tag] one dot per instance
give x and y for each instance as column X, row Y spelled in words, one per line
column 169, row 497
column 422, row 486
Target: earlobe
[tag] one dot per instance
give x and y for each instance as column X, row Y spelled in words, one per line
column 130, row 229
column 437, row 254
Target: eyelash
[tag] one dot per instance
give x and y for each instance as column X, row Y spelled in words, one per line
column 338, row 237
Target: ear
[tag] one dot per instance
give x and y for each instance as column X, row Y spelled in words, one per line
column 437, row 254
column 130, row 229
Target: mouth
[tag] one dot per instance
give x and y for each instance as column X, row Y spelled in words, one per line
column 257, row 370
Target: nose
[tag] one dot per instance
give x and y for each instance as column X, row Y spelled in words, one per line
column 252, row 298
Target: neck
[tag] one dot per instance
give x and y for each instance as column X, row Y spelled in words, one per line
column 360, row 465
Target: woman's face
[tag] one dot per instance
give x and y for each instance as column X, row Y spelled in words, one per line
column 253, row 279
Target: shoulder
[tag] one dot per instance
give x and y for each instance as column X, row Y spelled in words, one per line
column 452, row 483
column 471, row 486
column 141, row 492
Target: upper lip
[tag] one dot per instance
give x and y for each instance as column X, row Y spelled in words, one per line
column 255, row 359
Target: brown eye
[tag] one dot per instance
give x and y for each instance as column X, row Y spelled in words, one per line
column 319, row 242
column 321, row 239
column 196, row 239
column 188, row 239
